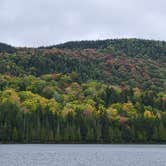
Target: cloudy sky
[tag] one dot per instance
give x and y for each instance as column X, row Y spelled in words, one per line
column 47, row 22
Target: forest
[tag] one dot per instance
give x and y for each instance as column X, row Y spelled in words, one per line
column 105, row 91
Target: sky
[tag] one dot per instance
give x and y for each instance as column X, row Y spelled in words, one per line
column 48, row 22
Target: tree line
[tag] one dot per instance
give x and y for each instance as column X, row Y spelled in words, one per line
column 55, row 108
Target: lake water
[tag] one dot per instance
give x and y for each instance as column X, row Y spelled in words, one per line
column 82, row 155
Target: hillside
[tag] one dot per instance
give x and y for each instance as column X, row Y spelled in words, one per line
column 6, row 48
column 131, row 62
column 106, row 91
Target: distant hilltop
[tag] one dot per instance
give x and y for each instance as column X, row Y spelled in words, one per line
column 130, row 47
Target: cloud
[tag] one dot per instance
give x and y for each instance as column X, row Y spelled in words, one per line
column 47, row 22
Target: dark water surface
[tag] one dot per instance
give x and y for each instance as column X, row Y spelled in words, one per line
column 82, row 155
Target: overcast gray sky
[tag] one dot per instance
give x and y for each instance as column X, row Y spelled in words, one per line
column 47, row 22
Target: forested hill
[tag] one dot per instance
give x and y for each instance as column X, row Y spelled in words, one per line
column 129, row 47
column 129, row 62
column 6, row 48
column 105, row 91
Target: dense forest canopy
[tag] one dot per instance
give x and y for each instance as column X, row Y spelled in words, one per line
column 106, row 91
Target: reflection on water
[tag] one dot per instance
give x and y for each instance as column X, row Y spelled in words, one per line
column 82, row 155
